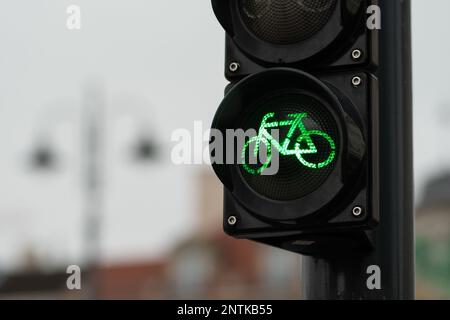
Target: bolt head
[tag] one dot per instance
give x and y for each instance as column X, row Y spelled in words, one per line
column 357, row 81
column 232, row 220
column 234, row 66
column 357, row 211
column 357, row 54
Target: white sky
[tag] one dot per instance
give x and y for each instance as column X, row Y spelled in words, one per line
column 169, row 53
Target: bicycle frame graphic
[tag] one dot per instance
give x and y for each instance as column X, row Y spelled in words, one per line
column 305, row 138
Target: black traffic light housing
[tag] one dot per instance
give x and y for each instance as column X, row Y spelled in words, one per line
column 336, row 64
column 333, row 47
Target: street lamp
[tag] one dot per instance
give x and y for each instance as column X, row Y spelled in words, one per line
column 45, row 158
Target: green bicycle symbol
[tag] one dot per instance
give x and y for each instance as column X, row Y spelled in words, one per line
column 304, row 139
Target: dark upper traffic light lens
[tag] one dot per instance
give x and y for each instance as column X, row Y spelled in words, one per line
column 285, row 21
column 297, row 131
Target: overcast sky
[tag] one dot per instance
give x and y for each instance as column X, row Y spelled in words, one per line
column 165, row 58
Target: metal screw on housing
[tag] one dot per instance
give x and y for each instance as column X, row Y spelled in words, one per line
column 232, row 220
column 356, row 81
column 234, row 66
column 356, row 54
column 357, row 211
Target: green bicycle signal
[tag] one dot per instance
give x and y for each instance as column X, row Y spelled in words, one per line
column 305, row 138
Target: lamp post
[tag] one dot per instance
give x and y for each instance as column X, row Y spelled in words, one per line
column 92, row 150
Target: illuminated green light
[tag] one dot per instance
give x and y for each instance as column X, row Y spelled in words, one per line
column 305, row 137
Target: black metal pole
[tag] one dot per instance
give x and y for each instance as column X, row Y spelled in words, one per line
column 346, row 278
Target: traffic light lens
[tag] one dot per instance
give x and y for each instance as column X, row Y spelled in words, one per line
column 298, row 132
column 285, row 21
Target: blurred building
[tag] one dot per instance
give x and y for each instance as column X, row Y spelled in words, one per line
column 213, row 265
column 433, row 240
column 207, row 265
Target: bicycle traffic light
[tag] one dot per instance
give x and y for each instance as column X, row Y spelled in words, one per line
column 300, row 170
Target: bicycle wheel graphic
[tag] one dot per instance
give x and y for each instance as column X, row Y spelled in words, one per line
column 308, row 139
column 250, row 153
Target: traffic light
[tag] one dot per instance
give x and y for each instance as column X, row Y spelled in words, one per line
column 303, row 175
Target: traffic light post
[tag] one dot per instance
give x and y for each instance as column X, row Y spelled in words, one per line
column 393, row 251
column 320, row 162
